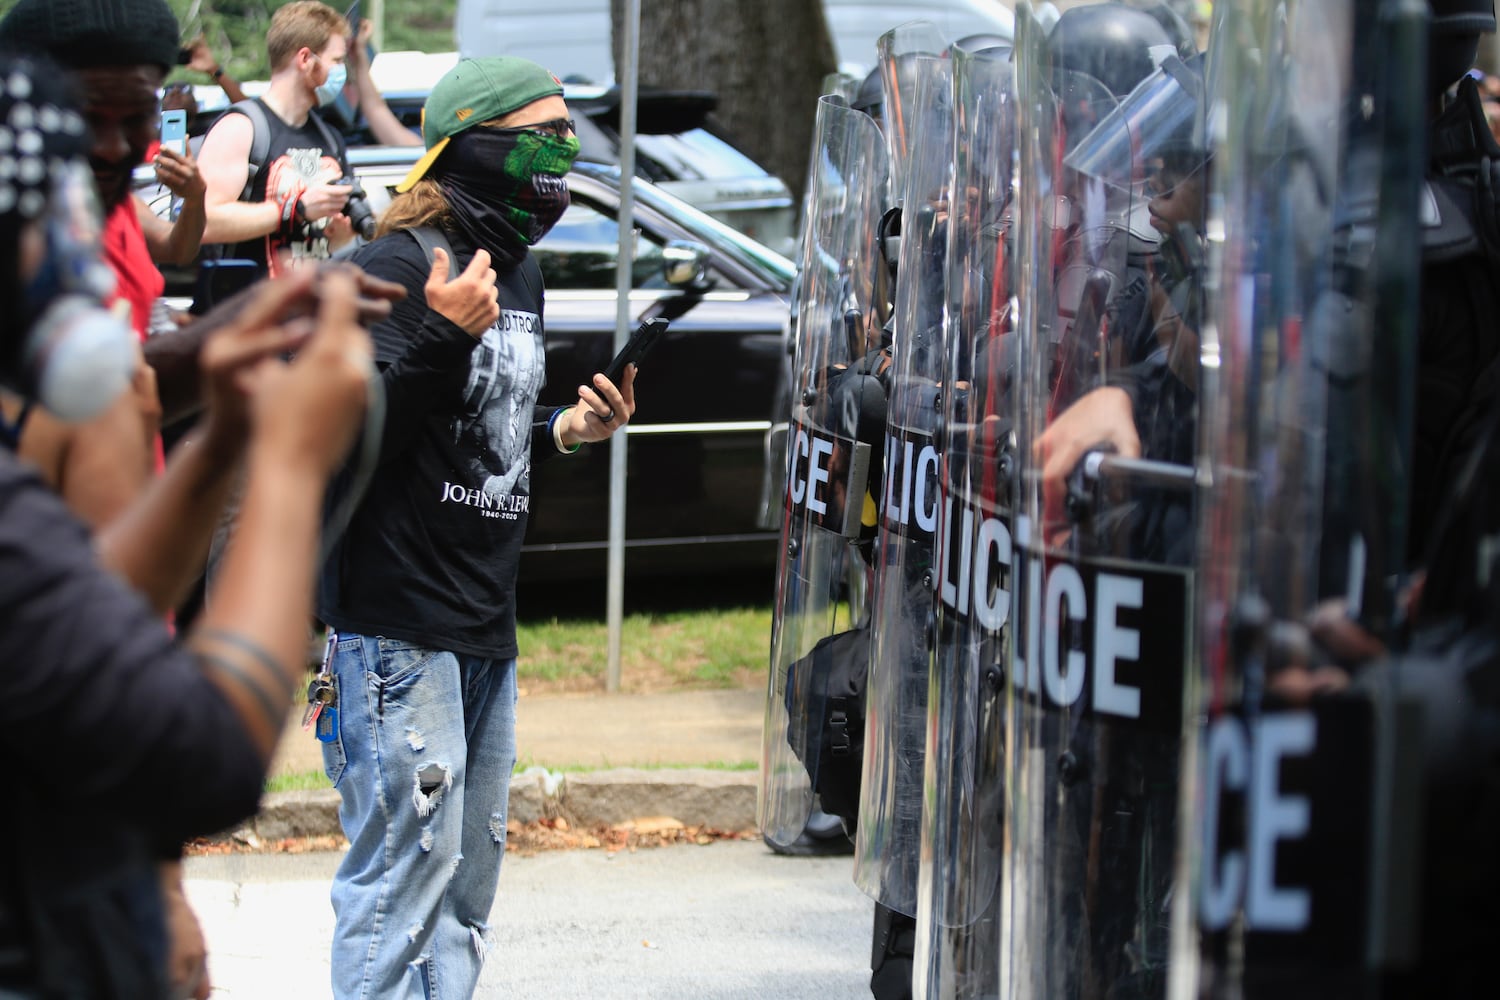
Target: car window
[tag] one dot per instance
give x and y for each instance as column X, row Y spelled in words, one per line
column 582, row 250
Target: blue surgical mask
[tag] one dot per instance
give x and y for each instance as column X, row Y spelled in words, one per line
column 329, row 89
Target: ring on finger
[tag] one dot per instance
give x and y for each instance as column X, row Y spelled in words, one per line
column 607, row 417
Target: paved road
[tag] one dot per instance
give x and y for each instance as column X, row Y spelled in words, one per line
column 729, row 921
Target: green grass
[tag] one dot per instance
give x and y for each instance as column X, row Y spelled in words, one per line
column 313, row 780
column 719, row 648
column 607, row 765
column 702, row 649
column 303, row 782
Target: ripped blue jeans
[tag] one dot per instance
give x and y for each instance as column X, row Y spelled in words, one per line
column 422, row 763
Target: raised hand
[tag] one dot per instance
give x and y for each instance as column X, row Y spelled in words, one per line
column 179, row 174
column 273, row 322
column 469, row 301
column 200, row 58
column 309, row 411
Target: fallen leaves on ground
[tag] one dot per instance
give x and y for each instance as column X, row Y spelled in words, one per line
column 523, row 839
column 245, row 842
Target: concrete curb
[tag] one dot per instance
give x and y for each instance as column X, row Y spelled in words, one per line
column 721, row 800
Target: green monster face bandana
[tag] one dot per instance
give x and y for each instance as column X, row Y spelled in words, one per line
column 533, row 153
column 507, row 186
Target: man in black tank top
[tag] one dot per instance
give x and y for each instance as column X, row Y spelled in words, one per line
column 279, row 192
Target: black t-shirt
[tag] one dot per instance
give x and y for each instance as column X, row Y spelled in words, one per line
column 431, row 552
column 296, row 157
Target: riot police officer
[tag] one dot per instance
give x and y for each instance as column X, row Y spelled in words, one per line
column 1100, row 605
column 810, row 746
column 916, row 70
column 1344, row 816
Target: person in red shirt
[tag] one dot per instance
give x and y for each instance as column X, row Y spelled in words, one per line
column 118, row 52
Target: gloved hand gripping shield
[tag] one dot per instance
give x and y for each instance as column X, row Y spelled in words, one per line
column 1302, row 821
column 1103, row 513
column 959, row 898
column 919, row 129
column 810, row 734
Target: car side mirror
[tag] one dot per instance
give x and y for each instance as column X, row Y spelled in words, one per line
column 685, row 265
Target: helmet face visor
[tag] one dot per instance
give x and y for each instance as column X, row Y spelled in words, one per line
column 1461, row 17
column 1156, row 126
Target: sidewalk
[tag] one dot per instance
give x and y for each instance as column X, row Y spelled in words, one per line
column 601, row 758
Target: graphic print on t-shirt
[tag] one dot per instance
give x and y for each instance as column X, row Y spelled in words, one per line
column 506, row 371
column 295, row 170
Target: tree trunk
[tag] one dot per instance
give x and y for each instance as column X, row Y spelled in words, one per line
column 765, row 60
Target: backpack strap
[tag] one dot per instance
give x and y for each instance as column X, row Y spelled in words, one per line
column 332, row 141
column 531, row 273
column 260, row 140
column 429, row 238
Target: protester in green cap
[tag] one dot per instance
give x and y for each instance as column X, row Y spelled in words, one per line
column 420, row 590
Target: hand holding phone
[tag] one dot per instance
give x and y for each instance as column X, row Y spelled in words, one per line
column 640, row 343
column 174, row 131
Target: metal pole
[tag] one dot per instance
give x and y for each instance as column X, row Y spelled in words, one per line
column 377, row 17
column 626, row 73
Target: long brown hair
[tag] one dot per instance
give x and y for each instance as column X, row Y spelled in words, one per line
column 423, row 205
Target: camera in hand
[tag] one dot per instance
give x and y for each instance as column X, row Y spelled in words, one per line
column 358, row 209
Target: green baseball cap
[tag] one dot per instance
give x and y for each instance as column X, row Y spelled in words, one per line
column 474, row 91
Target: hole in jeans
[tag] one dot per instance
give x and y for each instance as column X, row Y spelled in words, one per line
column 432, row 780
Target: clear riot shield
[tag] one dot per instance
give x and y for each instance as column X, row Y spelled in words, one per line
column 840, row 87
column 1302, row 820
column 837, row 414
column 959, row 897
column 1105, row 423
column 919, row 127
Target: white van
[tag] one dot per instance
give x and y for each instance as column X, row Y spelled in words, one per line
column 572, row 37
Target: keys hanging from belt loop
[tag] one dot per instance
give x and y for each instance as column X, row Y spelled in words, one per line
column 320, row 695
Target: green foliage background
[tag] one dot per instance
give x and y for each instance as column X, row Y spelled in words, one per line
column 236, row 29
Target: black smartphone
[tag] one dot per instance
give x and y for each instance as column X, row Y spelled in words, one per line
column 640, row 343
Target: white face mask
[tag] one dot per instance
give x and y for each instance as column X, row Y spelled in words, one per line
column 329, row 90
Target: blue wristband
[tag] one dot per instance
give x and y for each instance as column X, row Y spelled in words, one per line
column 556, row 438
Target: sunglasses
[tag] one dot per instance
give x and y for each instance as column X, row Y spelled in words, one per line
column 556, row 127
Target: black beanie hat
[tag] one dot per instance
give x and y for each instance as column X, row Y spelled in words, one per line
column 82, row 34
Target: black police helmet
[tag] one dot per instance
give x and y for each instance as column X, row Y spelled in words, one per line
column 1110, row 42
column 983, row 42
column 871, row 95
column 1453, row 39
column 1462, row 16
